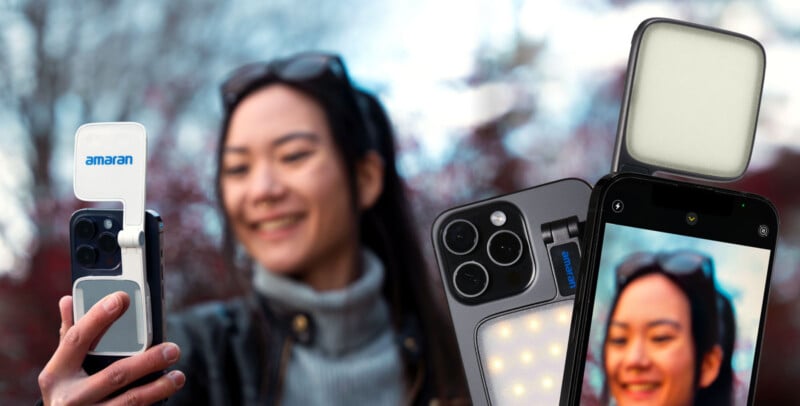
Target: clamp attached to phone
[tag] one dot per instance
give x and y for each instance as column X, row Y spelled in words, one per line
column 562, row 239
column 110, row 165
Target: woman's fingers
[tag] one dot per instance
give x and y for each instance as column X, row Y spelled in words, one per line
column 92, row 389
column 65, row 308
column 161, row 388
column 77, row 338
column 128, row 370
column 63, row 380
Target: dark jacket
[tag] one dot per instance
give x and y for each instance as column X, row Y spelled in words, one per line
column 229, row 359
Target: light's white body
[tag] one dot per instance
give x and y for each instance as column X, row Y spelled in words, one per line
column 124, row 183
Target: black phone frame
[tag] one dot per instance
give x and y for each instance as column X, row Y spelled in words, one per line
column 666, row 215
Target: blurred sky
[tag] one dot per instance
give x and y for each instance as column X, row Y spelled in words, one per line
column 425, row 58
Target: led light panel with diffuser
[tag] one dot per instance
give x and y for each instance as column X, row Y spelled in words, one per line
column 691, row 101
column 523, row 354
column 509, row 266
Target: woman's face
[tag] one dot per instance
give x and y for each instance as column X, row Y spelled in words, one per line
column 650, row 355
column 284, row 186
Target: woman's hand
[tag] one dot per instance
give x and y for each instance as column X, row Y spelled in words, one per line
column 63, row 380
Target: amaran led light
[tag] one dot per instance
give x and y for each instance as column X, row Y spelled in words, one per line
column 523, row 354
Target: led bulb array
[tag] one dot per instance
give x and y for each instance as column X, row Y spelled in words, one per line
column 523, row 354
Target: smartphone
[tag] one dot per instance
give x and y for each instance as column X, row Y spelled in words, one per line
column 509, row 267
column 95, row 252
column 672, row 296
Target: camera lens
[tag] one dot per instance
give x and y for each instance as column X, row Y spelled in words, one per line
column 460, row 237
column 470, row 279
column 505, row 248
column 107, row 242
column 84, row 229
column 86, row 255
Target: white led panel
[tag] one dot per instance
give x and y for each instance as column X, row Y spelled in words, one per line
column 522, row 354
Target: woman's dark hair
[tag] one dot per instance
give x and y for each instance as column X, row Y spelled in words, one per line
column 359, row 124
column 720, row 392
column 711, row 313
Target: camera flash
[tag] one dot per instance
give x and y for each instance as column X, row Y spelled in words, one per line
column 107, row 224
column 498, row 218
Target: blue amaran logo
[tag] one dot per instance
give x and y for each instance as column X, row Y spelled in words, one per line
column 568, row 268
column 109, row 160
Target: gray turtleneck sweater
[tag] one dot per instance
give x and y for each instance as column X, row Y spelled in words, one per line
column 352, row 358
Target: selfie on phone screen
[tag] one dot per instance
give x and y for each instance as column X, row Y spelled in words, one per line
column 680, row 280
column 664, row 298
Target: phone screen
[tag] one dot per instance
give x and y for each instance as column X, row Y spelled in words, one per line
column 679, row 283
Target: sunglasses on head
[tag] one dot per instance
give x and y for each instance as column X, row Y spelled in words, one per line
column 325, row 69
column 678, row 264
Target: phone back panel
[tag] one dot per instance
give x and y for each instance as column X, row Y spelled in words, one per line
column 107, row 262
column 512, row 330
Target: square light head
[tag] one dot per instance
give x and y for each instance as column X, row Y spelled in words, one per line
column 691, row 101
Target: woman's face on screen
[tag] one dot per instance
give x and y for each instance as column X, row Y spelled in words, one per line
column 649, row 352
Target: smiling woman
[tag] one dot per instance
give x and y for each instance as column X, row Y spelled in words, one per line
column 342, row 310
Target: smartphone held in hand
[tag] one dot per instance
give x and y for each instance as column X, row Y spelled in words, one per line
column 95, row 252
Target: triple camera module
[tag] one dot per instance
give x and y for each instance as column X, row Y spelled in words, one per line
column 486, row 253
column 95, row 243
